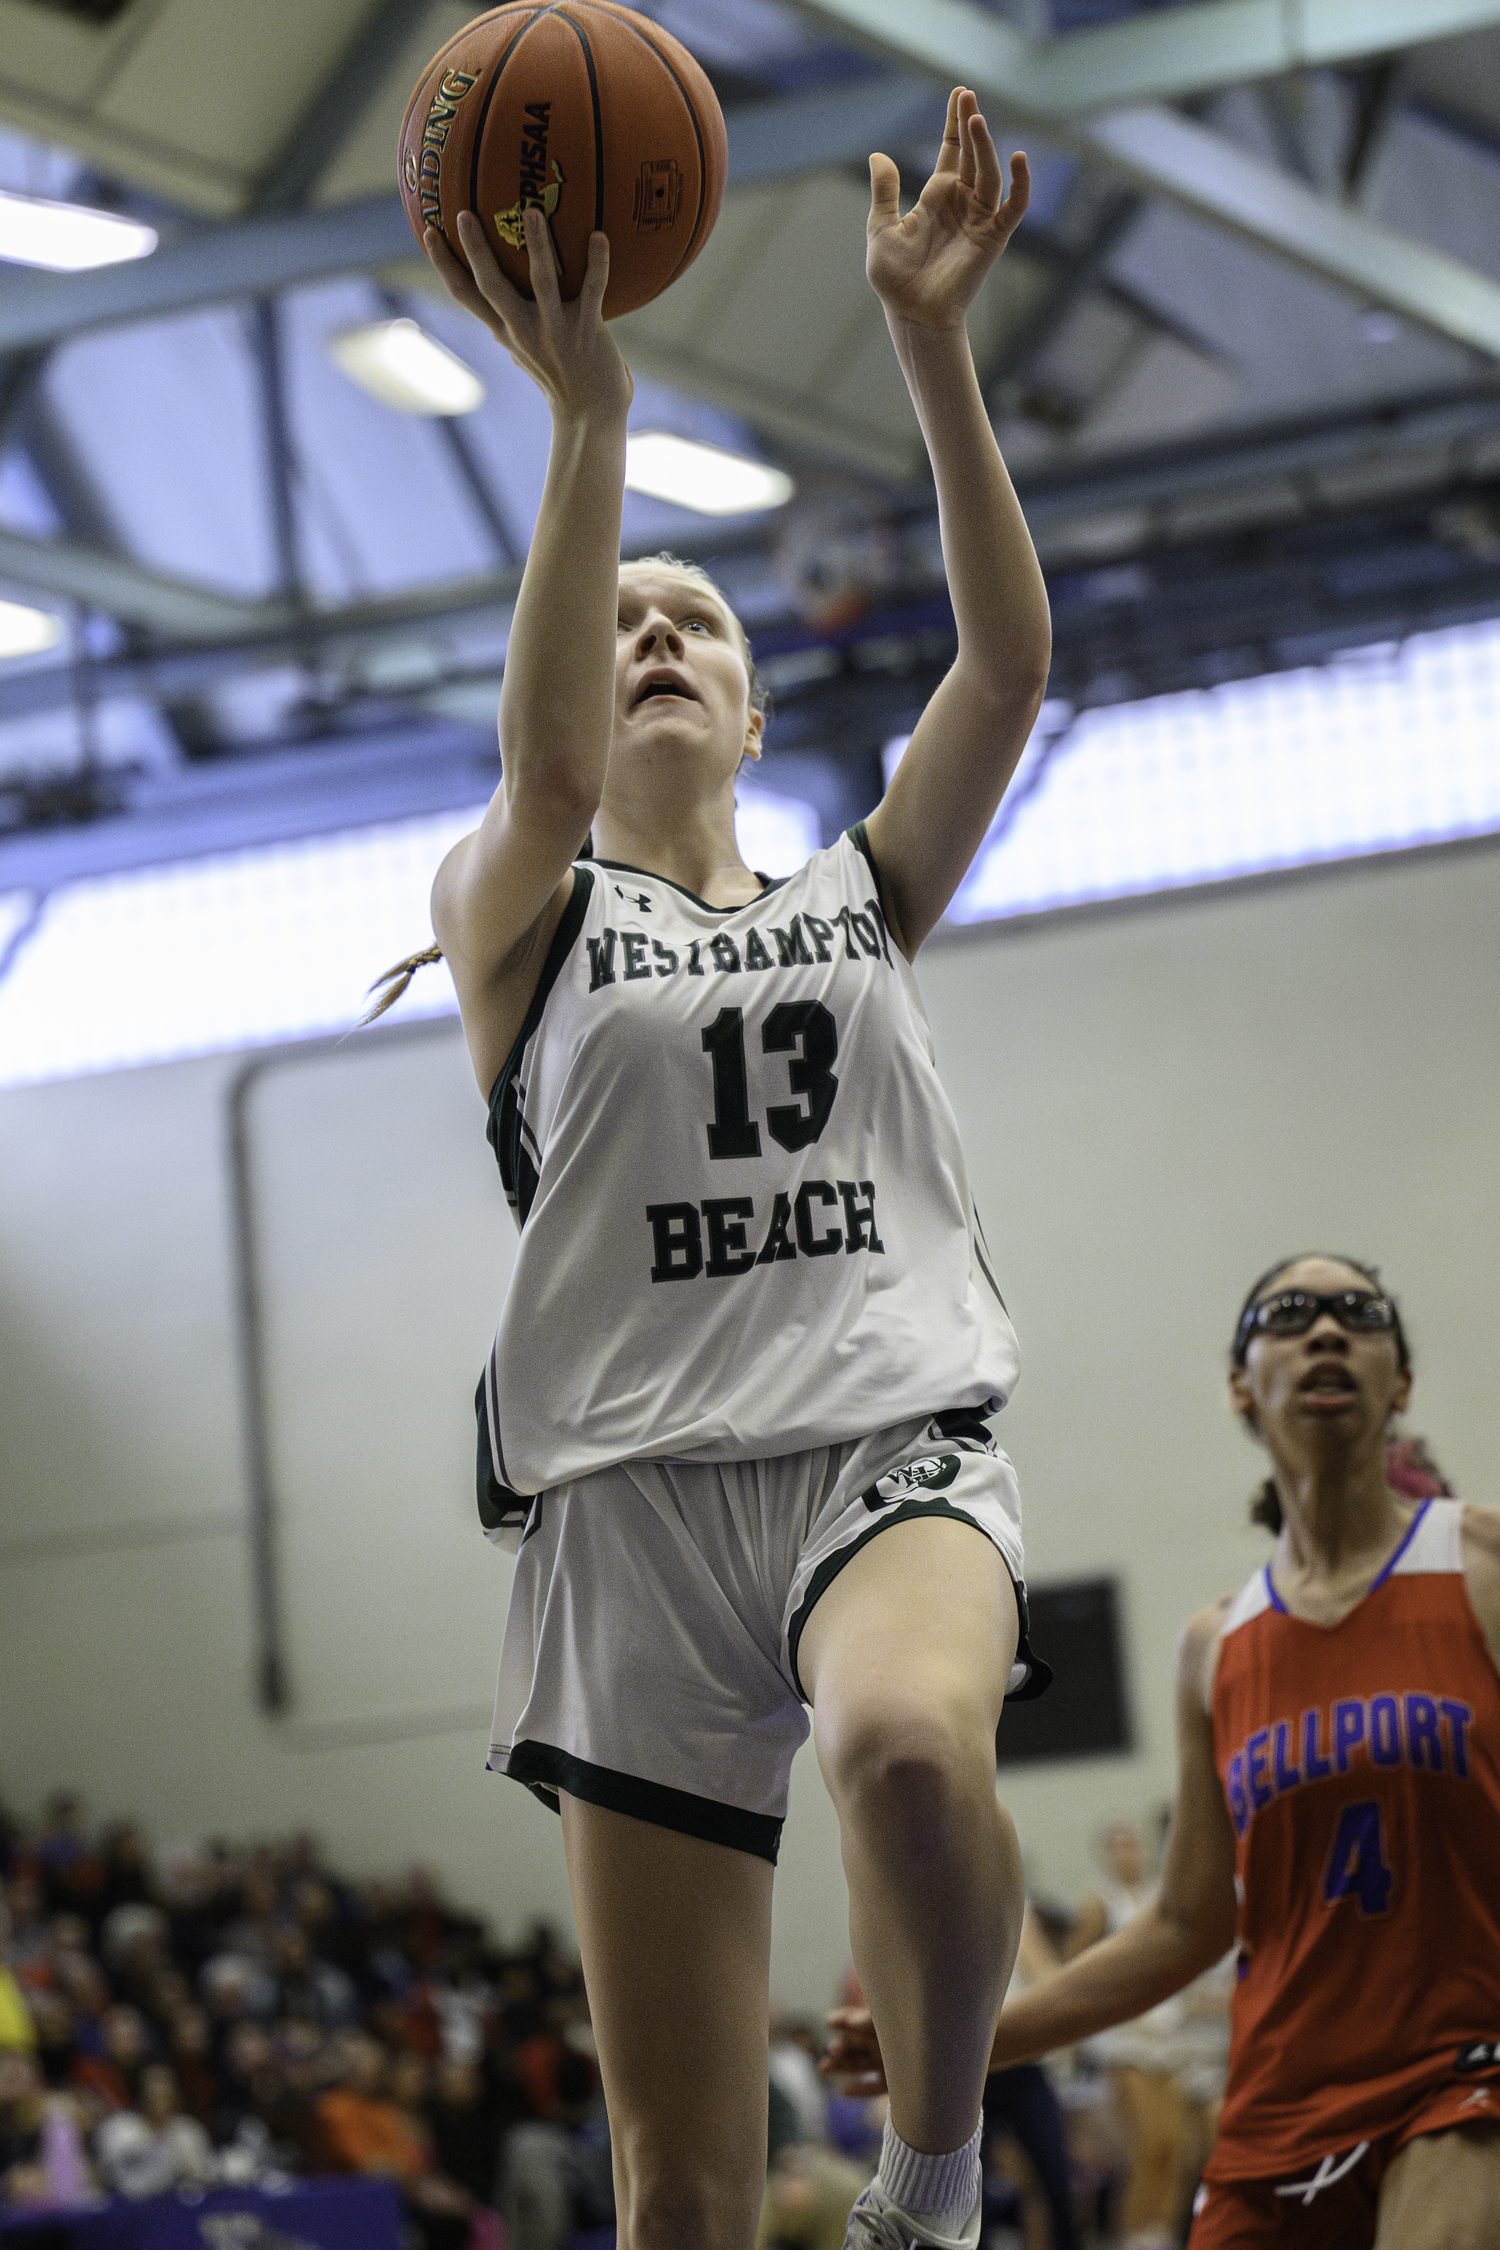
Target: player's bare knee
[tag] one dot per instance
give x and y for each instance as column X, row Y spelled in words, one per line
column 906, row 1772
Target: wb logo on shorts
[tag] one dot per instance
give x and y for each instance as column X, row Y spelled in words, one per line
column 933, row 1473
column 1480, row 2055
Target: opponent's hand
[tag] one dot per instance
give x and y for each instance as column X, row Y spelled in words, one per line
column 927, row 267
column 852, row 2058
column 566, row 349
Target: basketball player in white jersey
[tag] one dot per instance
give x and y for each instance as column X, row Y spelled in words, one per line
column 738, row 1390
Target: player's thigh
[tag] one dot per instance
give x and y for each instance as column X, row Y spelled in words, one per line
column 675, row 1935
column 920, row 1624
column 1442, row 2192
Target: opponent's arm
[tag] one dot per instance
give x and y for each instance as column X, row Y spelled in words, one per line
column 500, row 892
column 1186, row 1928
column 927, row 268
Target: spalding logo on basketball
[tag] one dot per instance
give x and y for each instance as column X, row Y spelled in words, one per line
column 584, row 111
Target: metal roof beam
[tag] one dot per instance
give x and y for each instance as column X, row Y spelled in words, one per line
column 1167, row 155
column 69, row 571
column 1216, row 43
column 1164, row 56
column 258, row 256
column 251, row 258
column 336, row 109
column 252, row 636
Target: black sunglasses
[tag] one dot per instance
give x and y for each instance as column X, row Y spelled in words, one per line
column 1363, row 1312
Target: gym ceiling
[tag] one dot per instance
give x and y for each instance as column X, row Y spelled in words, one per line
column 1244, row 359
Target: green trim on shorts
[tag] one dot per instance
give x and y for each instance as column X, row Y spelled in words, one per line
column 1038, row 1673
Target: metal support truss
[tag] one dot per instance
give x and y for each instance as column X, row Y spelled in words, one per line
column 1167, row 155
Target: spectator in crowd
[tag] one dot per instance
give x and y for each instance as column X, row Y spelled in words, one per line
column 1155, row 2063
column 1020, row 2106
column 556, row 2174
column 154, row 2147
column 110, row 2062
column 795, row 2048
column 42, row 2160
column 190, row 2051
column 465, row 2119
column 21, row 2111
column 371, row 2122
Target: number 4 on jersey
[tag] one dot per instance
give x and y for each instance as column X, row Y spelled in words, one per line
column 1356, row 1864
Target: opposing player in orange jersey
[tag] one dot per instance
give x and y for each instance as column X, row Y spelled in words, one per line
column 1339, row 1742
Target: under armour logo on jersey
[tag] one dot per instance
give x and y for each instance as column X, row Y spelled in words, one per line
column 1479, row 2099
column 639, row 900
column 1478, row 2054
column 1325, row 2176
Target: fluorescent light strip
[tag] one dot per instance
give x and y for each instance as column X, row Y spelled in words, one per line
column 702, row 477
column 68, row 237
column 399, row 364
column 27, row 632
column 250, row 947
column 1371, row 753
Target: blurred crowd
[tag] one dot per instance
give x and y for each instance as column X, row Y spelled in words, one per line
column 228, row 2014
column 211, row 2014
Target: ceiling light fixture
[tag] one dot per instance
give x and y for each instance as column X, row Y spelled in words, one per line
column 702, row 477
column 68, row 237
column 26, row 632
column 401, row 365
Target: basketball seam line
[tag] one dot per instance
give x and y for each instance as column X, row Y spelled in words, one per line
column 689, row 105
column 484, row 109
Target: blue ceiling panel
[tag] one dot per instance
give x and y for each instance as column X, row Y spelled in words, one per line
column 381, row 504
column 24, row 502
column 165, row 422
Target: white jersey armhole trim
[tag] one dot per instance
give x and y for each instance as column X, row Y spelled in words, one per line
column 1252, row 1600
column 1436, row 1540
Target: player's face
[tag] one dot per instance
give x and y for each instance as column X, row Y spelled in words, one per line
column 1328, row 1379
column 680, row 679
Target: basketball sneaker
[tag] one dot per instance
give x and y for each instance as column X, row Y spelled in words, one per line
column 876, row 2223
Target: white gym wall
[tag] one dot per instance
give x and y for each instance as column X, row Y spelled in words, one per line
column 1157, row 1101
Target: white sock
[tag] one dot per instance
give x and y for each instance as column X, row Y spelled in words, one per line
column 944, row 2187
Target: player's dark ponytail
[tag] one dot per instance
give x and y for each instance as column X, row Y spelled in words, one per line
column 1265, row 1508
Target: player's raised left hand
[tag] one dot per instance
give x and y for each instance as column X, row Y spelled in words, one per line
column 926, row 268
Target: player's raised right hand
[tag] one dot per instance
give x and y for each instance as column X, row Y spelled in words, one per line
column 564, row 347
column 852, row 2058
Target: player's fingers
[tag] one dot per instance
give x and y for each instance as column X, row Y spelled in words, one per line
column 858, row 2084
column 951, row 153
column 455, row 275
column 1014, row 206
column 596, row 273
column 497, row 291
column 885, row 194
column 540, row 262
column 968, row 110
column 989, row 179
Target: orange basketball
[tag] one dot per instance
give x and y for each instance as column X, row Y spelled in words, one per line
column 583, row 108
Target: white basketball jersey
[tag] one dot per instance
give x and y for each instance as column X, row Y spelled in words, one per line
column 745, row 1223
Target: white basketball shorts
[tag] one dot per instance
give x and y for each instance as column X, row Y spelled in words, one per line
column 650, row 1658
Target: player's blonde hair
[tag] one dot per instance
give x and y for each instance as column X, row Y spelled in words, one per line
column 392, row 982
